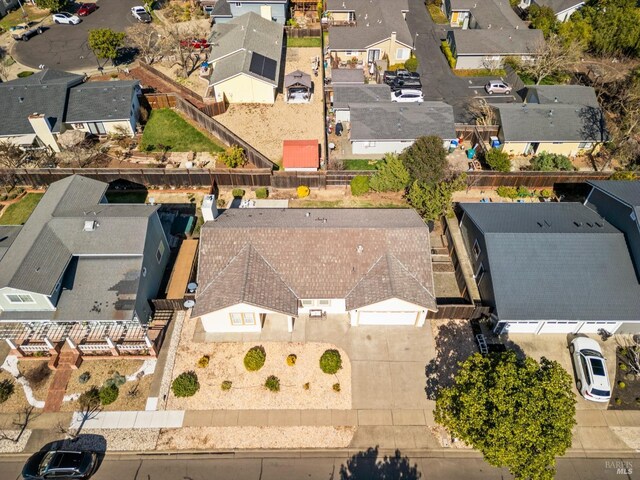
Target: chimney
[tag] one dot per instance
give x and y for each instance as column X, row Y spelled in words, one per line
column 393, row 39
column 42, row 129
column 265, row 12
column 209, row 208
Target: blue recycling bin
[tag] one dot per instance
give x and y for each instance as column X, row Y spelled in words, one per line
column 495, row 142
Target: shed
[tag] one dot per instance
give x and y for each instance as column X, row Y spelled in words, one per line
column 301, row 155
column 298, row 87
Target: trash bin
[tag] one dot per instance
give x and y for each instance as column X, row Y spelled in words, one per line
column 471, row 153
column 453, row 145
column 495, row 142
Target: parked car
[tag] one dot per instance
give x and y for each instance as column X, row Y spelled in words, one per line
column 409, row 82
column 66, row 18
column 25, row 35
column 592, row 380
column 140, row 14
column 390, row 75
column 86, row 8
column 60, row 464
column 407, row 95
column 497, row 86
column 21, row 26
column 195, row 43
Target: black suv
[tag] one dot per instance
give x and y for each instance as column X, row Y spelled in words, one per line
column 400, row 82
column 61, row 465
column 390, row 75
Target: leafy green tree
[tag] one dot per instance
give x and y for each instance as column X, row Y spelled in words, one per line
column 359, row 185
column 544, row 19
column 577, row 30
column 391, row 175
column 550, row 162
column 518, row 413
column 411, row 64
column 498, row 160
column 624, row 175
column 105, row 43
column 233, row 157
column 52, row 5
column 432, row 201
column 426, row 160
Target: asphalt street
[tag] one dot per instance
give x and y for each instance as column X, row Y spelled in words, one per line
column 65, row 47
column 332, row 468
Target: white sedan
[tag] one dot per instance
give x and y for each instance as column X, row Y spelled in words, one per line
column 591, row 370
column 67, row 18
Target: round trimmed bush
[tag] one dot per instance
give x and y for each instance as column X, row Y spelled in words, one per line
column 330, row 362
column 336, row 387
column 186, row 384
column 262, row 192
column 25, row 74
column 109, row 394
column 255, row 358
column 204, row 361
column 84, row 378
column 622, row 385
column 272, row 383
column 226, row 385
column 618, row 401
column 237, row 193
column 6, row 390
column 291, row 359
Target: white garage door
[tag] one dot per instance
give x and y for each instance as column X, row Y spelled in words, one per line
column 520, row 327
column 593, row 327
column 387, row 318
column 559, row 327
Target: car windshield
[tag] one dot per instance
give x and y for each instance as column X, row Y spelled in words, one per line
column 597, row 366
column 398, row 93
column 591, row 353
column 600, row 393
column 45, row 463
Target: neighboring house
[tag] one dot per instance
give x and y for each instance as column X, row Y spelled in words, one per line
column 562, row 8
column 222, row 11
column 551, row 268
column 619, row 203
column 346, row 95
column 357, row 266
column 379, row 128
column 486, row 33
column 300, row 155
column 245, row 57
column 564, row 119
column 367, row 30
column 37, row 109
column 81, row 269
column 7, row 5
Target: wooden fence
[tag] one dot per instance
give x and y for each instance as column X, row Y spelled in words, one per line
column 186, row 92
column 293, row 32
column 160, row 100
column 466, row 312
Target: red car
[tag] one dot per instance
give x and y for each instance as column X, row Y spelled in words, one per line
column 86, row 8
column 196, row 43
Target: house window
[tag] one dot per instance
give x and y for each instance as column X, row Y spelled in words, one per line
column 21, row 298
column 97, row 128
column 402, row 54
column 238, row 4
column 239, row 319
column 324, row 303
column 479, row 274
column 307, row 303
column 160, row 252
column 476, row 249
column 584, row 145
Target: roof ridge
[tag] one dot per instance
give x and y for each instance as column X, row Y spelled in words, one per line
column 215, row 277
column 250, row 249
column 362, row 277
column 274, row 271
column 411, row 275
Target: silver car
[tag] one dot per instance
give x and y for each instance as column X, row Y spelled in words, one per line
column 497, row 86
column 407, row 95
column 592, row 380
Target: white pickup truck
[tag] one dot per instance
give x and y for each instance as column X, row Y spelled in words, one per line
column 140, row 14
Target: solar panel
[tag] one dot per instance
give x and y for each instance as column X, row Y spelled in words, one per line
column 263, row 66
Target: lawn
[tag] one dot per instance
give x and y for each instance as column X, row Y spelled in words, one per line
column 436, row 14
column 480, row 72
column 15, row 17
column 558, row 79
column 18, row 213
column 166, row 130
column 360, row 164
column 304, row 42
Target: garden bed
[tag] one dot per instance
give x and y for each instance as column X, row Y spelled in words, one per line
column 39, row 377
column 625, row 388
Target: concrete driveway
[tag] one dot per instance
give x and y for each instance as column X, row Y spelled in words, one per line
column 64, row 47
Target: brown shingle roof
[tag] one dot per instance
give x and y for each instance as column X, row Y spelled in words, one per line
column 316, row 253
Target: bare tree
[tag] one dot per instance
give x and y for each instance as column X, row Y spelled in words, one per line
column 551, row 56
column 629, row 353
column 482, row 112
column 181, row 49
column 12, row 156
column 90, row 407
column 22, row 422
column 83, row 155
column 147, row 40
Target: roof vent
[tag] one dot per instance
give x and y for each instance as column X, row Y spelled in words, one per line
column 589, row 224
column 20, row 99
column 551, row 113
column 555, row 99
column 90, row 225
column 359, row 249
column 540, row 224
column 577, row 224
column 308, row 214
column 599, row 225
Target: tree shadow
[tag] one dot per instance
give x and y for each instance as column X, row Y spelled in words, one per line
column 366, row 465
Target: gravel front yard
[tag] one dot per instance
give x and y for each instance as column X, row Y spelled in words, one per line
column 255, row 437
column 38, row 376
column 9, row 446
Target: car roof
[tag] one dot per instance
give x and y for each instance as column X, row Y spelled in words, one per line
column 585, row 343
column 410, row 90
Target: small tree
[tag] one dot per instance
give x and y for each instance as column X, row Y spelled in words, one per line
column 482, row 112
column 6, row 390
column 549, row 162
column 233, row 157
column 52, row 5
column 507, row 192
column 434, row 201
column 552, row 56
column 411, row 64
column 624, row 175
column 543, row 18
column 147, row 40
column 106, row 43
column 330, row 362
column 109, row 394
column 255, row 358
column 426, row 160
column 391, row 175
column 359, row 185
column 498, row 160
column 272, row 383
column 186, row 384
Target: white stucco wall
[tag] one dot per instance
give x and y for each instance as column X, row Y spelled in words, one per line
column 337, row 305
column 379, row 148
column 220, row 321
column 343, row 115
column 245, row 89
column 40, row 302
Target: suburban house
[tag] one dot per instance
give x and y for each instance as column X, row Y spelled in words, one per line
column 619, row 203
column 6, row 6
column 551, row 268
column 357, row 266
column 562, row 8
column 380, row 128
column 363, row 31
column 346, row 95
column 39, row 108
column 564, row 119
column 81, row 270
column 486, row 32
column 222, row 11
column 245, row 57
column 301, row 155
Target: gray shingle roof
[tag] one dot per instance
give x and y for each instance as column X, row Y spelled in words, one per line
column 551, row 123
column 8, row 234
column 375, row 21
column 347, row 76
column 101, row 101
column 345, row 95
column 567, row 94
column 221, row 9
column 557, row 271
column 314, row 256
column 297, row 77
column 401, row 121
column 559, row 5
column 235, row 42
column 624, row 190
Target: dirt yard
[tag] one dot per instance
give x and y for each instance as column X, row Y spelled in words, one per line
column 266, row 126
column 39, row 376
column 339, row 197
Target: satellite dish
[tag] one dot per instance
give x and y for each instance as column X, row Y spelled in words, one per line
column 189, row 303
column 192, row 287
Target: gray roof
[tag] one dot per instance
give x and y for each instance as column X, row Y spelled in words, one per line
column 345, row 95
column 375, row 21
column 234, row 43
column 551, row 123
column 547, row 263
column 8, row 234
column 559, row 5
column 221, row 9
column 100, row 101
column 626, row 191
column 297, row 78
column 401, row 121
column 347, row 76
column 566, row 94
column 274, row 257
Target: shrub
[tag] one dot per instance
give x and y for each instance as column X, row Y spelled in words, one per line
column 6, row 390
column 549, row 162
column 624, row 175
column 291, row 359
column 330, row 362
column 498, row 160
column 255, row 358
column 546, row 193
column 233, row 157
column 116, row 380
column 623, row 367
column 523, row 192
column 306, row 386
column 262, row 192
column 89, row 399
column 25, row 74
column 272, row 383
column 391, row 175
column 359, row 185
column 186, row 384
column 84, row 378
column 226, row 385
column 446, row 49
column 411, row 64
column 622, row 385
column 109, row 394
column 237, row 193
column 336, row 387
column 38, row 375
column 303, row 191
column 204, row 361
column 618, row 401
column 507, row 192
